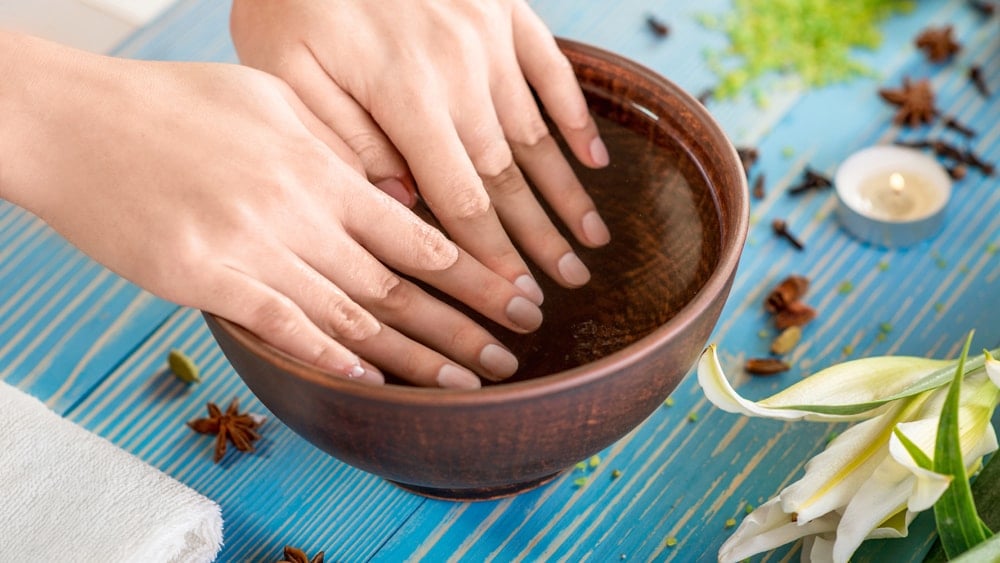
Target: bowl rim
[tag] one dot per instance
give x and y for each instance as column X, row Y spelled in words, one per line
column 732, row 244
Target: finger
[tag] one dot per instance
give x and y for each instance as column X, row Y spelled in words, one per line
column 278, row 321
column 338, row 111
column 408, row 309
column 394, row 352
column 551, row 74
column 528, row 224
column 538, row 154
column 453, row 190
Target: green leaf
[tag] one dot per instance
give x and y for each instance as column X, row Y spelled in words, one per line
column 986, row 494
column 958, row 524
column 914, row 450
column 933, row 380
column 988, row 550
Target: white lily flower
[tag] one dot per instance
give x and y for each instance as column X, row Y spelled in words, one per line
column 850, row 383
column 864, row 484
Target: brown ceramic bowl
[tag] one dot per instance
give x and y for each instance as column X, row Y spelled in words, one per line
column 675, row 199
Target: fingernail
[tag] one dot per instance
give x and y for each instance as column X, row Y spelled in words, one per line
column 594, row 229
column 454, row 377
column 500, row 363
column 356, row 371
column 599, row 152
column 371, row 375
column 572, row 270
column 396, row 190
column 524, row 313
column 529, row 287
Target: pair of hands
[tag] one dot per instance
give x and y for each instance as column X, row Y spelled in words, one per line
column 222, row 188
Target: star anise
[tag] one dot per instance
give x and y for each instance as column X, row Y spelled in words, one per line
column 915, row 101
column 937, row 43
column 296, row 555
column 232, row 426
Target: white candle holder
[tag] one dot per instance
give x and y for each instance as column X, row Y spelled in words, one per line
column 892, row 196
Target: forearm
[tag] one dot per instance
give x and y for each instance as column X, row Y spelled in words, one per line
column 46, row 91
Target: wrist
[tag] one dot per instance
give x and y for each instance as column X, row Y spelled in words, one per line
column 41, row 91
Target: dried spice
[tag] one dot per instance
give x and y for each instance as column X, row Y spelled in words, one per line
column 787, row 340
column 780, row 228
column 790, row 290
column 985, row 9
column 616, row 473
column 915, row 101
column 704, row 96
column 748, row 157
column 658, row 28
column 937, row 43
column 594, row 461
column 766, row 366
column 183, row 367
column 811, row 180
column 231, row 426
column 296, row 555
column 580, row 482
column 961, row 129
column 798, row 315
column 671, row 541
column 845, row 287
column 976, row 76
column 973, row 159
column 758, row 187
column 957, row 172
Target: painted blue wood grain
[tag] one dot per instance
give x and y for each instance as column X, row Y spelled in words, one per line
column 286, row 493
column 678, row 478
column 65, row 321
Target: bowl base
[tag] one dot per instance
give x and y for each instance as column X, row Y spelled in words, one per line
column 477, row 493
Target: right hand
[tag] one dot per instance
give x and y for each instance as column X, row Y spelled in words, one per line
column 213, row 186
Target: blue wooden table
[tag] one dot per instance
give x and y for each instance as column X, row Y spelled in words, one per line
column 94, row 347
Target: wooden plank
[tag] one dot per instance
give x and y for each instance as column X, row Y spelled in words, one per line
column 288, row 492
column 65, row 321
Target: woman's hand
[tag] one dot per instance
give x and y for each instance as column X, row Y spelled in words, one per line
column 445, row 82
column 213, row 186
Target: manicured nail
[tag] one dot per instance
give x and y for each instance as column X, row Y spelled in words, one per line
column 396, row 190
column 454, row 377
column 599, row 152
column 500, row 363
column 356, row 371
column 594, row 229
column 524, row 313
column 372, row 375
column 529, row 287
column 572, row 270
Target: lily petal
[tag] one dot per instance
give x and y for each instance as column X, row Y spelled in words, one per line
column 835, row 474
column 720, row 392
column 876, row 501
column 857, row 382
column 992, row 368
column 769, row 527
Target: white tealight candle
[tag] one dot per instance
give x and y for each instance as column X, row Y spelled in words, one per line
column 892, row 196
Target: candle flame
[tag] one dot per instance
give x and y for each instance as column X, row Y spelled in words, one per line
column 896, row 182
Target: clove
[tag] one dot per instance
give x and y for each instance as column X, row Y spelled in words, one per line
column 658, row 28
column 811, row 180
column 758, row 187
column 780, row 228
column 976, row 76
column 955, row 125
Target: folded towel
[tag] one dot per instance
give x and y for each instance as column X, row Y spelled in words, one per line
column 69, row 495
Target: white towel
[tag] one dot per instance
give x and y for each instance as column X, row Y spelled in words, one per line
column 69, row 495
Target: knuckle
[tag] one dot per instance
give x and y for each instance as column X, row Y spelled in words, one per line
column 370, row 146
column 398, row 298
column 493, row 159
column 275, row 315
column 347, row 319
column 469, row 203
column 506, row 183
column 533, row 132
column 432, row 249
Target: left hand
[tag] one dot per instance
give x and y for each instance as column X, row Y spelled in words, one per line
column 446, row 82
